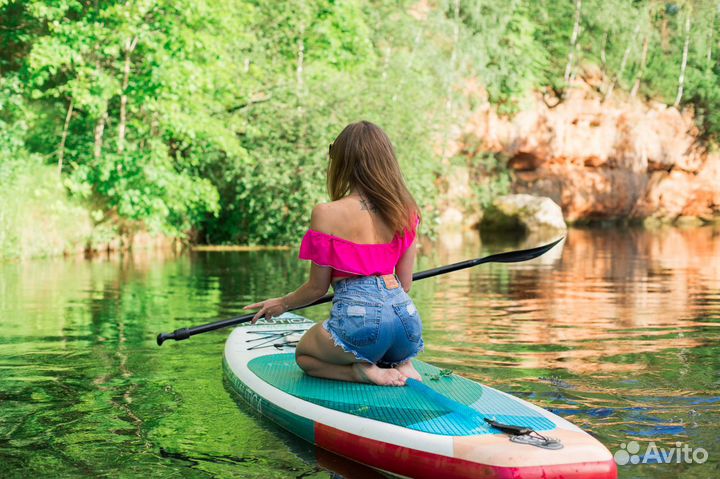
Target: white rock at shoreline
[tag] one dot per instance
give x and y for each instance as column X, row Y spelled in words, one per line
column 534, row 213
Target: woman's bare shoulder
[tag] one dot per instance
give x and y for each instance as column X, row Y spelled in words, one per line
column 324, row 217
column 344, row 218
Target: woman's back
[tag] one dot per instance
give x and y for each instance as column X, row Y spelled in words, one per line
column 353, row 240
column 352, row 219
column 362, row 244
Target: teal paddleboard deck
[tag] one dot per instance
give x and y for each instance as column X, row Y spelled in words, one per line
column 405, row 407
column 436, row 428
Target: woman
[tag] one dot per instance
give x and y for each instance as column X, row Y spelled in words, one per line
column 356, row 243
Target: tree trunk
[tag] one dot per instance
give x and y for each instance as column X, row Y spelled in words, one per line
column 129, row 47
column 99, row 130
column 573, row 43
column 710, row 39
column 623, row 64
column 61, row 148
column 683, row 66
column 606, row 75
column 643, row 61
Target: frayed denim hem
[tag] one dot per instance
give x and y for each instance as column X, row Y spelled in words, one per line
column 398, row 363
column 341, row 344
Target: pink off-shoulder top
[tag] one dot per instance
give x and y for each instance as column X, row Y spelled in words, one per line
column 352, row 259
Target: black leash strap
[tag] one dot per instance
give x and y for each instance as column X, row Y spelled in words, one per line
column 525, row 435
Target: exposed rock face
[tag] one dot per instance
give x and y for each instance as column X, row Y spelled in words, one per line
column 456, row 213
column 605, row 160
column 526, row 212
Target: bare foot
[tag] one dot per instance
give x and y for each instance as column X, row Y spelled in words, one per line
column 370, row 373
column 408, row 370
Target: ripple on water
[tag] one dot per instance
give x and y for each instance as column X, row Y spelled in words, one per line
column 618, row 334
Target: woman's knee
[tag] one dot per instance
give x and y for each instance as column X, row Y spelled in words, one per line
column 304, row 361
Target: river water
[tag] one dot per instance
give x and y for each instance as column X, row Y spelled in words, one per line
column 617, row 331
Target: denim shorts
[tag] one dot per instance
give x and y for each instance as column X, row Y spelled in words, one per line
column 377, row 324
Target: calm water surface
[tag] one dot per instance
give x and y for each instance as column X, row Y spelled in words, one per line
column 617, row 332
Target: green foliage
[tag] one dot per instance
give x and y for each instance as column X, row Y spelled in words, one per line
column 491, row 177
column 228, row 106
column 211, row 119
column 503, row 49
column 37, row 218
column 518, row 46
column 14, row 118
column 286, row 126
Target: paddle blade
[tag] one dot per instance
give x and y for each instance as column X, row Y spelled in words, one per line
column 522, row 255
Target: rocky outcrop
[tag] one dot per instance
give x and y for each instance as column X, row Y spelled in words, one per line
column 457, row 206
column 523, row 212
column 604, row 160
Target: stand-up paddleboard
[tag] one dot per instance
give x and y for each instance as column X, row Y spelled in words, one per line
column 447, row 426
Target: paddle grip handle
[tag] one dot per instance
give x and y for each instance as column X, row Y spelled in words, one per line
column 177, row 335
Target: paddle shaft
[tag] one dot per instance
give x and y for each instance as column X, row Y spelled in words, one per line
column 507, row 257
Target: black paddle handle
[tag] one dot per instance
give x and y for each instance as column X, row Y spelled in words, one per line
column 507, row 257
column 185, row 333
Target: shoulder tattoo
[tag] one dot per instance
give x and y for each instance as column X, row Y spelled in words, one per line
column 366, row 205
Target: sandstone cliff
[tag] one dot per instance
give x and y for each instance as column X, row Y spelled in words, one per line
column 604, row 160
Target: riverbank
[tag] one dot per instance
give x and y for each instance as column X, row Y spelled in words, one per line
column 600, row 159
column 215, row 119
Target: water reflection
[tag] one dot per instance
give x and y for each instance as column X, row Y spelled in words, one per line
column 617, row 330
column 619, row 333
column 609, row 293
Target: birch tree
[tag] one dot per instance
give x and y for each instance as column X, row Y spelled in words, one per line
column 683, row 64
column 572, row 52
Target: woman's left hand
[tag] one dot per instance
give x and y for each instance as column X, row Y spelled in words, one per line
column 268, row 308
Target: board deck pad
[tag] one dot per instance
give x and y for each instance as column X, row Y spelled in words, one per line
column 403, row 406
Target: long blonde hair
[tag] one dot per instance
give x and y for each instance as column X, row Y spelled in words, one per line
column 362, row 158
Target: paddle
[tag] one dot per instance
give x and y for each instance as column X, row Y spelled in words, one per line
column 477, row 419
column 507, row 257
